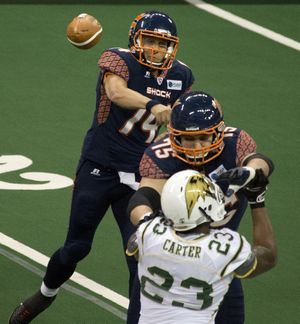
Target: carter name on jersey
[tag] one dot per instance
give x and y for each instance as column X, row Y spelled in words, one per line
column 182, row 250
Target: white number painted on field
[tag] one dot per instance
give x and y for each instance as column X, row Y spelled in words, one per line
column 9, row 163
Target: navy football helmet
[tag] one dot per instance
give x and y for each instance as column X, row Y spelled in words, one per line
column 157, row 25
column 197, row 113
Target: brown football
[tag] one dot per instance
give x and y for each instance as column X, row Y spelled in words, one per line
column 84, row 31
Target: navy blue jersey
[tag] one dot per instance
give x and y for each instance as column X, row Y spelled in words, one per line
column 118, row 136
column 159, row 162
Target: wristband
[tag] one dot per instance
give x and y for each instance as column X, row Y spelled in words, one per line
column 257, row 205
column 150, row 104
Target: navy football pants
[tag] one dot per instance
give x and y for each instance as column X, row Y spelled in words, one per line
column 94, row 192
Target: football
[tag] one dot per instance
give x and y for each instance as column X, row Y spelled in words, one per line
column 84, row 31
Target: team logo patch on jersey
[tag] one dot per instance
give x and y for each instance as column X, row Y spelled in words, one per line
column 160, row 80
column 219, row 170
column 174, row 84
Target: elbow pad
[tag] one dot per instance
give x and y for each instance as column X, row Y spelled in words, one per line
column 144, row 196
column 262, row 157
column 247, row 268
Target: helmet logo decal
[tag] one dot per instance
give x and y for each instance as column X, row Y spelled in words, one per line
column 196, row 187
column 163, row 31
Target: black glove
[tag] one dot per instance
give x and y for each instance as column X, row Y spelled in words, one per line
column 256, row 189
column 132, row 245
column 157, row 213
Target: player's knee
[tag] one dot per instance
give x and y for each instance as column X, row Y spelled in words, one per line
column 72, row 253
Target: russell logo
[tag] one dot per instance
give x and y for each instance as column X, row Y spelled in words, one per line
column 96, row 172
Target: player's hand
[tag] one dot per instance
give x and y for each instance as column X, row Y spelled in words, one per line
column 132, row 245
column 256, row 189
column 237, row 178
column 161, row 113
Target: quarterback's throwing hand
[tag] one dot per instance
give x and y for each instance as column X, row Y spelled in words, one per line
column 161, row 113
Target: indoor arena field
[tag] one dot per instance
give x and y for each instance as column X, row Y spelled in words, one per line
column 244, row 53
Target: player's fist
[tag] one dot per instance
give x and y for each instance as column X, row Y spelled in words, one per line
column 162, row 113
column 256, row 189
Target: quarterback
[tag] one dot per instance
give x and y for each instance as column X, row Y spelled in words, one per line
column 135, row 89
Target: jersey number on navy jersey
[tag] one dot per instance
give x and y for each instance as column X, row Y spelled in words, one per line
column 164, row 149
column 147, row 126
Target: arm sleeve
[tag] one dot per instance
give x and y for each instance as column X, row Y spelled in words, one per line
column 245, row 146
column 149, row 169
column 245, row 269
column 111, row 62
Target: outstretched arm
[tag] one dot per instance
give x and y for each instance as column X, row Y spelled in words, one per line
column 118, row 92
column 264, row 252
column 264, row 243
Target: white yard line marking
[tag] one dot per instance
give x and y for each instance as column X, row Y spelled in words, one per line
column 77, row 277
column 244, row 23
column 79, row 292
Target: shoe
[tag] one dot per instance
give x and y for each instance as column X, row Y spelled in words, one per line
column 30, row 308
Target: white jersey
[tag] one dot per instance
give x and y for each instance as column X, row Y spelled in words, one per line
column 184, row 278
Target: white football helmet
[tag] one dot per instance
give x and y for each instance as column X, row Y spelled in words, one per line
column 189, row 199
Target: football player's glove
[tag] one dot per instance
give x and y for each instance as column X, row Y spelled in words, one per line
column 132, row 245
column 149, row 216
column 237, row 178
column 256, row 189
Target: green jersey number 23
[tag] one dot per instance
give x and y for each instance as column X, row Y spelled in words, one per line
column 203, row 295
